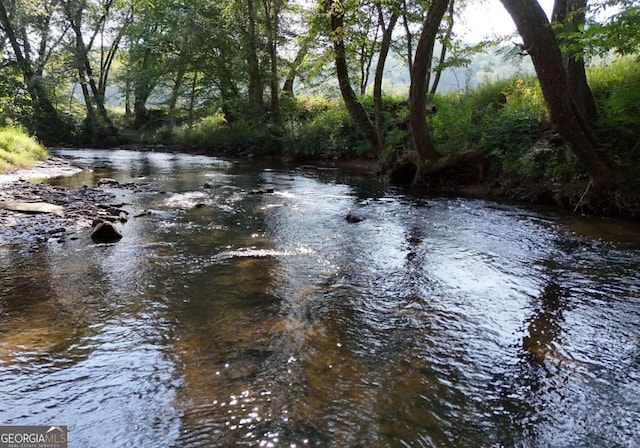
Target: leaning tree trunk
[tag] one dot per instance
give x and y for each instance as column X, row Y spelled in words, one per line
column 356, row 110
column 287, row 88
column 385, row 46
column 541, row 44
column 570, row 14
column 425, row 148
column 272, row 14
column 175, row 93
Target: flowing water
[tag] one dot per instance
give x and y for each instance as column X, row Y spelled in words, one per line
column 226, row 318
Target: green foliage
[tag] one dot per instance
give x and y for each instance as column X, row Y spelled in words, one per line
column 213, row 133
column 15, row 103
column 451, row 127
column 18, row 150
column 308, row 126
column 324, row 129
column 619, row 33
column 496, row 117
column 516, row 126
column 504, row 119
column 607, row 80
column 508, row 121
column 616, row 89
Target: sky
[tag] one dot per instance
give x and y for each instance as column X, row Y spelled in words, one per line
column 488, row 17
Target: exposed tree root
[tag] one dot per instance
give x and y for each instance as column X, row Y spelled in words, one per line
column 466, row 173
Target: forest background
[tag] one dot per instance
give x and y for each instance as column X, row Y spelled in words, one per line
column 552, row 117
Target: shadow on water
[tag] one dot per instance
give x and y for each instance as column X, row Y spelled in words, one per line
column 250, row 312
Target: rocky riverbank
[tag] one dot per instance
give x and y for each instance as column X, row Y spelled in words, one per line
column 33, row 212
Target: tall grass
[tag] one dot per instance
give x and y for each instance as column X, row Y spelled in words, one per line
column 504, row 119
column 18, row 150
column 616, row 89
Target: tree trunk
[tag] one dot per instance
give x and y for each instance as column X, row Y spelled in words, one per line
column 407, row 31
column 541, row 44
column 426, row 151
column 101, row 122
column 443, row 50
column 387, row 34
column 272, row 11
column 366, row 54
column 571, row 15
column 256, row 92
column 356, row 110
column 192, row 99
column 91, row 120
column 175, row 94
column 142, row 89
column 287, row 88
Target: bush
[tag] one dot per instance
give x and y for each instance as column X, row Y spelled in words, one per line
column 326, row 130
column 511, row 132
column 452, row 125
column 212, row 133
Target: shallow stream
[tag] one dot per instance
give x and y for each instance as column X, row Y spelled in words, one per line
column 230, row 318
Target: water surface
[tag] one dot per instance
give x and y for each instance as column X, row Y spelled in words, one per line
column 229, row 318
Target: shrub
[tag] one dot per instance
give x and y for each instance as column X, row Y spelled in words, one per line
column 320, row 127
column 511, row 132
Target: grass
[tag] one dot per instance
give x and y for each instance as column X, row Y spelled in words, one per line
column 18, row 150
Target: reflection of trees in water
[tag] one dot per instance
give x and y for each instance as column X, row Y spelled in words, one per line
column 36, row 328
column 544, row 327
column 528, row 388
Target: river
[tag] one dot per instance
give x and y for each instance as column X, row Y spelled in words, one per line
column 230, row 318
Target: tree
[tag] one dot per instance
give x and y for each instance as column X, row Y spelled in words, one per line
column 569, row 17
column 425, row 149
column 94, row 93
column 28, row 29
column 385, row 46
column 356, row 110
column 272, row 20
column 541, row 44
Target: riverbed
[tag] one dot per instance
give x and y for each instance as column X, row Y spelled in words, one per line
column 241, row 308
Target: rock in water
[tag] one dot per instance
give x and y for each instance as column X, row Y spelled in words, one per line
column 354, row 217
column 107, row 181
column 105, row 231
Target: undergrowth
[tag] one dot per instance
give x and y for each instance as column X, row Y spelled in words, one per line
column 18, row 150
